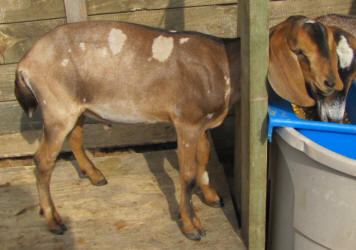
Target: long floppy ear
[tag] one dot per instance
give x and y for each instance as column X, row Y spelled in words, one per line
column 284, row 72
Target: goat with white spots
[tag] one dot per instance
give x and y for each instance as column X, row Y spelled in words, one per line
column 122, row 72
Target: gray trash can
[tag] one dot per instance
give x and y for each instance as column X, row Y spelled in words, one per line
column 313, row 195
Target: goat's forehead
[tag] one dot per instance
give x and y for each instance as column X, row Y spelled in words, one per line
column 318, row 34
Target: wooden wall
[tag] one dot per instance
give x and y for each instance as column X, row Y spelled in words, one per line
column 22, row 22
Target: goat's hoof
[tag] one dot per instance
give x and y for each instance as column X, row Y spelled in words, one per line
column 218, row 203
column 59, row 230
column 83, row 174
column 101, row 183
column 193, row 236
column 202, row 232
column 41, row 212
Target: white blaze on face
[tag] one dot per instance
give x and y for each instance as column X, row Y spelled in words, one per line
column 310, row 21
column 205, row 178
column 344, row 52
column 116, row 40
column 162, row 48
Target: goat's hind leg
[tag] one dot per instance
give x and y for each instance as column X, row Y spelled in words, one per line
column 203, row 154
column 53, row 136
column 86, row 166
column 187, row 148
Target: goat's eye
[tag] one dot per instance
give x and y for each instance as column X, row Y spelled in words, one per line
column 299, row 52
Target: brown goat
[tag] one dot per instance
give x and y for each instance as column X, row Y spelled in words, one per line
column 122, row 72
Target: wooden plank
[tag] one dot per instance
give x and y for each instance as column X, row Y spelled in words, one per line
column 280, row 10
column 29, row 10
column 76, row 11
column 253, row 23
column 95, row 136
column 96, row 7
column 15, row 120
column 214, row 20
column 7, row 78
column 17, row 38
column 136, row 210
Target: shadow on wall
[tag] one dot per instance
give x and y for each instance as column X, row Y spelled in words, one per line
column 174, row 16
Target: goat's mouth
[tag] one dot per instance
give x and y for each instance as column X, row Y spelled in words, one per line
column 331, row 108
column 330, row 103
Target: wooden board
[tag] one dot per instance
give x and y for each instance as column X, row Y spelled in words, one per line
column 96, row 7
column 280, row 10
column 137, row 209
column 17, row 38
column 30, row 10
column 95, row 136
column 213, row 20
column 253, row 22
column 76, row 11
column 7, row 78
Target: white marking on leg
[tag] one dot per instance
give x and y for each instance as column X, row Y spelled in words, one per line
column 205, row 178
column 82, row 46
column 162, row 48
column 65, row 62
column 344, row 52
column 116, row 40
column 183, row 40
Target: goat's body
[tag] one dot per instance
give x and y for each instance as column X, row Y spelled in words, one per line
column 131, row 82
column 347, row 23
column 122, row 72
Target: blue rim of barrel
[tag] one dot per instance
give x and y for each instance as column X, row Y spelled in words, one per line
column 339, row 138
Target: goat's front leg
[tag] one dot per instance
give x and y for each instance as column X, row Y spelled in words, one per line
column 86, row 166
column 187, row 149
column 203, row 154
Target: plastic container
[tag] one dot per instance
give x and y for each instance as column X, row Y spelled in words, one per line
column 313, row 181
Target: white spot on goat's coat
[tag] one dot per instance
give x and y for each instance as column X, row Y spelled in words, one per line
column 82, row 46
column 65, row 62
column 344, row 52
column 116, row 39
column 162, row 48
column 205, row 178
column 183, row 40
column 228, row 87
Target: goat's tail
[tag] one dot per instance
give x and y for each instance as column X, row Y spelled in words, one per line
column 24, row 94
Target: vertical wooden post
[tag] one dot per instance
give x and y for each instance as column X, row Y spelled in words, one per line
column 76, row 10
column 253, row 26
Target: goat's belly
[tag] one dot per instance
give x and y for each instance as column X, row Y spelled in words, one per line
column 122, row 114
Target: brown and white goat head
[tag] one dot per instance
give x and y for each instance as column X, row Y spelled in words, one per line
column 306, row 61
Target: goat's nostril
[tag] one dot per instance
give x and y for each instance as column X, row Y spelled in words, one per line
column 329, row 84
